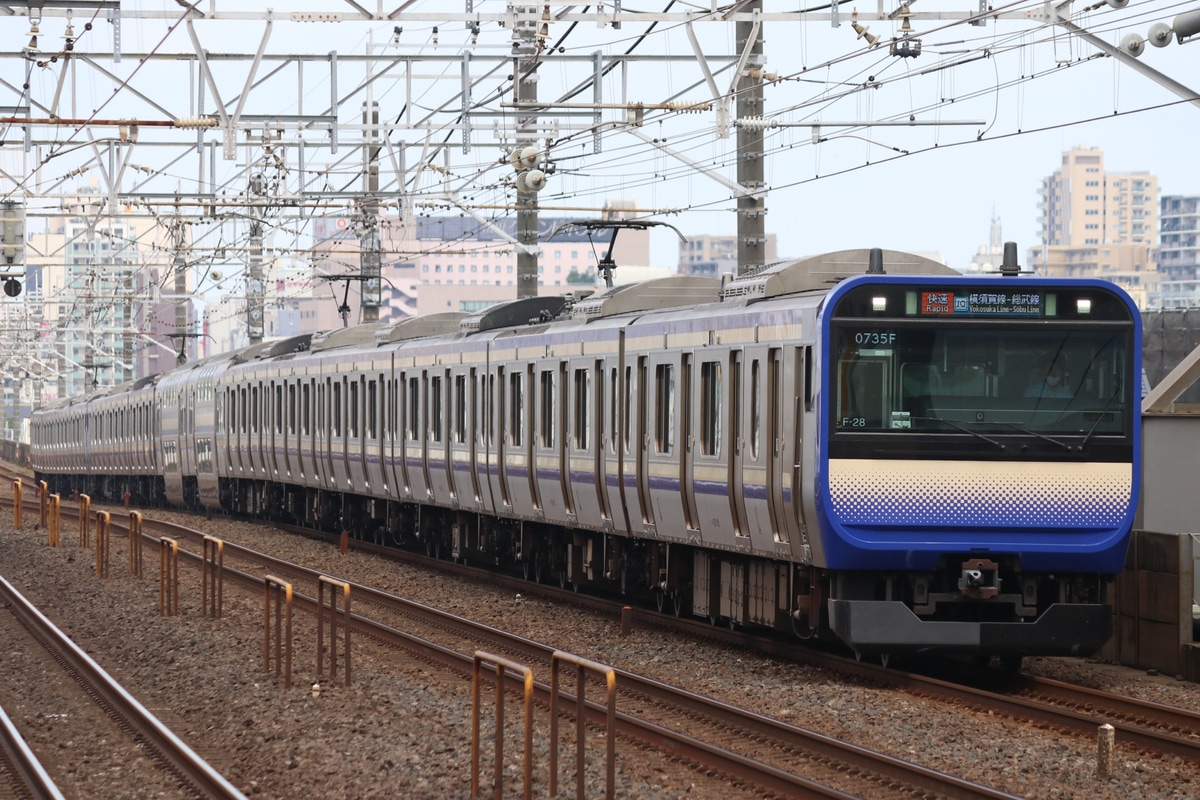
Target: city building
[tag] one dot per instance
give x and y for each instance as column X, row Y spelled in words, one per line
column 1179, row 252
column 712, row 256
column 1099, row 224
column 433, row 264
column 98, row 302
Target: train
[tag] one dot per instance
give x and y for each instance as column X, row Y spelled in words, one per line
column 842, row 447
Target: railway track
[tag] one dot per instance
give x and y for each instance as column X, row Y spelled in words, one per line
column 746, row 747
column 1155, row 728
column 147, row 735
column 26, row 775
column 1149, row 726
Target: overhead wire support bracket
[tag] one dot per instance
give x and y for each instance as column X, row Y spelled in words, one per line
column 1053, row 13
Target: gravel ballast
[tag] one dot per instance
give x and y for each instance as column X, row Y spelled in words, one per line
column 402, row 729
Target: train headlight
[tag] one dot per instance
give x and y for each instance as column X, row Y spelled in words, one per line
column 1083, row 305
column 879, row 304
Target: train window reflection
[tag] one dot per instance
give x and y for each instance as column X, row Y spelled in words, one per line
column 986, row 380
column 664, row 417
column 582, row 423
column 516, row 409
column 755, row 407
column 547, row 408
column 710, row 408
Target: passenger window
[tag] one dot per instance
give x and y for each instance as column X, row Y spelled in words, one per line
column 516, row 409
column 710, row 408
column 755, row 407
column 582, row 425
column 460, row 408
column 547, row 408
column 664, row 408
column 414, row 409
column 435, row 407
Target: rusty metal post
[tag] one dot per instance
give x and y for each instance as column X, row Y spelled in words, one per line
column 212, row 577
column 43, row 504
column 53, row 518
column 17, row 503
column 582, row 666
column 1105, row 747
column 334, row 585
column 626, row 621
column 103, row 535
column 282, row 591
column 135, row 544
column 168, row 577
column 503, row 668
column 85, row 513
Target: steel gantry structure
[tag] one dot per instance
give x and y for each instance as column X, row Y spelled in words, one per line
column 222, row 133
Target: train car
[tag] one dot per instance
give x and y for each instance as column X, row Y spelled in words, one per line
column 104, row 444
column 884, row 452
column 978, row 472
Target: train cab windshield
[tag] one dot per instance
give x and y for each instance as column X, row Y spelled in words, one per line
column 989, row 381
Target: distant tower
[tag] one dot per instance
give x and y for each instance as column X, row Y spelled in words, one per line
column 988, row 258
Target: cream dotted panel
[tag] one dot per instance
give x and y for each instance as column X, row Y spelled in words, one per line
column 953, row 493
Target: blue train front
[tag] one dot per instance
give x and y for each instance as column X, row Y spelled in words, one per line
column 978, row 461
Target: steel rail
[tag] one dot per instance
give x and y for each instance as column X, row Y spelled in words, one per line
column 1157, row 733
column 188, row 767
column 873, row 766
column 25, row 766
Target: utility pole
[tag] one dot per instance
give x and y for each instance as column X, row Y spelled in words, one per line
column 526, row 48
column 180, row 267
column 370, row 260
column 751, row 209
column 254, row 266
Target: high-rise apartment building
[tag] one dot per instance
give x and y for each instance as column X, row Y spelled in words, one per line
column 1179, row 252
column 94, row 299
column 1099, row 224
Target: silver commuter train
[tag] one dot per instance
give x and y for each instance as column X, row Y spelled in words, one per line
column 670, row 439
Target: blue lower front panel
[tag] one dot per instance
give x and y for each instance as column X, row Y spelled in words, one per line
column 882, row 626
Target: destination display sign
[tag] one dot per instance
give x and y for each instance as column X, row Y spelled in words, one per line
column 978, row 303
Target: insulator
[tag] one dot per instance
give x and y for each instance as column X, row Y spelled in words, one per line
column 685, row 107
column 1160, row 34
column 195, row 122
column 756, row 123
column 1133, row 45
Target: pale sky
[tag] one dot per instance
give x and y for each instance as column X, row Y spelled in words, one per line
column 1029, row 91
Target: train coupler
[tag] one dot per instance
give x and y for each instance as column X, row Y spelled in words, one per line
column 980, row 579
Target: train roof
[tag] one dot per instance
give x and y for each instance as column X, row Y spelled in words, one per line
column 417, row 327
column 515, row 313
column 275, row 347
column 822, row 272
column 653, row 295
column 359, row 335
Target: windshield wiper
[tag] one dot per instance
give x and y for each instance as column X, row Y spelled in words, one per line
column 1099, row 418
column 964, row 429
column 1042, row 436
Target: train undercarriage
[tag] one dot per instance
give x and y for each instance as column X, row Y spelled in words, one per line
column 981, row 606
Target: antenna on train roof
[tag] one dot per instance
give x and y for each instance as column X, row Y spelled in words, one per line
column 1009, row 267
column 875, row 262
